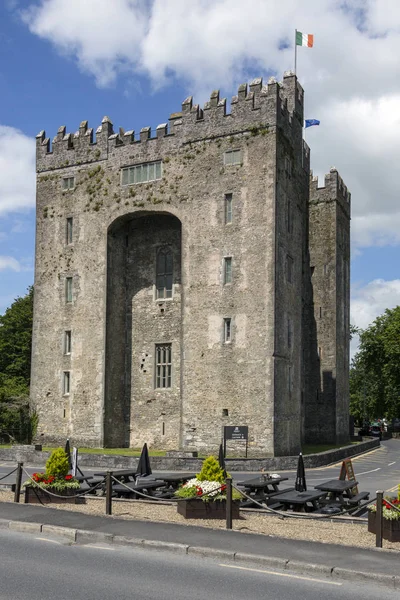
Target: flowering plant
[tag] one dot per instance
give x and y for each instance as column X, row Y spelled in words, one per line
column 56, row 477
column 209, row 485
column 389, row 513
column 60, row 483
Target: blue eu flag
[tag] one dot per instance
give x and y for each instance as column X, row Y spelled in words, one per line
column 311, row 122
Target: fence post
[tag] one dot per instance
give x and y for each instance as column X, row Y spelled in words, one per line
column 229, row 502
column 109, row 493
column 18, row 481
column 379, row 518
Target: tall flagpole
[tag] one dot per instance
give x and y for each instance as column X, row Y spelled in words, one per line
column 295, row 51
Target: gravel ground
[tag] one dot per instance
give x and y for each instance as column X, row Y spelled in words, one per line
column 328, row 531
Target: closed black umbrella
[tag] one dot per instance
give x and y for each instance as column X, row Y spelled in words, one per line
column 144, row 467
column 68, row 453
column 221, row 459
column 300, row 485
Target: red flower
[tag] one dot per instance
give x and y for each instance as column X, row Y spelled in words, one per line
column 199, row 491
column 68, row 477
column 223, row 488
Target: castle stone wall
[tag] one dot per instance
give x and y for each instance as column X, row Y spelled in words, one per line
column 257, row 377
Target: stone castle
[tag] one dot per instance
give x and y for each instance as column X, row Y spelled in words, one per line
column 190, row 279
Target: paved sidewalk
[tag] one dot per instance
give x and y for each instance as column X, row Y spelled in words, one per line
column 347, row 562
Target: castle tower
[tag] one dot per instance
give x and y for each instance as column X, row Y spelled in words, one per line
column 170, row 277
column 327, row 402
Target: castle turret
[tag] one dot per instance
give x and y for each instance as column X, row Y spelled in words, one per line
column 327, row 387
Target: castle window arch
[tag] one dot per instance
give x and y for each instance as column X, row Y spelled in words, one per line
column 164, row 272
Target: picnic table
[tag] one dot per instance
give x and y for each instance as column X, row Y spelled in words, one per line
column 124, row 475
column 261, row 488
column 172, row 481
column 338, row 489
column 129, row 489
column 301, row 501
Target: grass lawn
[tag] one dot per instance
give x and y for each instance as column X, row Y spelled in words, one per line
column 114, row 451
column 316, row 448
column 308, row 449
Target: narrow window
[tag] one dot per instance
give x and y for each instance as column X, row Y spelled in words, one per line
column 290, row 378
column 228, row 209
column 325, row 269
column 320, row 312
column 164, row 272
column 68, row 183
column 289, row 269
column 289, row 217
column 66, row 382
column 289, row 333
column 232, row 157
column 68, row 289
column 67, row 342
column 163, row 366
column 69, row 230
column 227, row 270
column 227, row 330
column 312, row 269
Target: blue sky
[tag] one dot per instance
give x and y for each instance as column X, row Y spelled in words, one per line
column 64, row 61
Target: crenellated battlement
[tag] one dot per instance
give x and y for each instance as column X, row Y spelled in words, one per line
column 271, row 105
column 333, row 189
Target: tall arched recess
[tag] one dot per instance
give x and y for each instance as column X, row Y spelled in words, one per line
column 143, row 331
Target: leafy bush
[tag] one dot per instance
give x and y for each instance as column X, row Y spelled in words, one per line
column 211, row 471
column 57, row 465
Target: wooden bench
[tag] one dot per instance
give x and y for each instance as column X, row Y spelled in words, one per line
column 354, row 500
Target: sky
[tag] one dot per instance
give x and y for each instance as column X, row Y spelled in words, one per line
column 65, row 61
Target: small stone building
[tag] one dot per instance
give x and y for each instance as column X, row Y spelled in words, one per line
column 192, row 277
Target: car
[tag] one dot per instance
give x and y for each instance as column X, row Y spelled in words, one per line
column 375, row 430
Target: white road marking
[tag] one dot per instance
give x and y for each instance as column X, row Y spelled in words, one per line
column 98, row 547
column 366, row 472
column 393, row 463
column 280, row 574
column 47, row 540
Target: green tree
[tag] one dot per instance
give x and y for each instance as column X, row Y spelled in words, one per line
column 375, row 371
column 15, row 366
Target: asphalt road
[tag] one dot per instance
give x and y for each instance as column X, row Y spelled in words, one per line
column 377, row 470
column 42, row 568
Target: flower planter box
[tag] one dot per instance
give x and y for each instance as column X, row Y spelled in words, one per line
column 390, row 530
column 34, row 495
column 197, row 509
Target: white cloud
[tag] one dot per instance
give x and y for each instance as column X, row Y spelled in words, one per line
column 9, row 263
column 104, row 36
column 351, row 76
column 17, row 171
column 370, row 301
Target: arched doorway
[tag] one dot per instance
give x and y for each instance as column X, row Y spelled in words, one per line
column 143, row 331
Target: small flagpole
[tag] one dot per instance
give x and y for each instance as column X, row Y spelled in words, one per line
column 295, row 52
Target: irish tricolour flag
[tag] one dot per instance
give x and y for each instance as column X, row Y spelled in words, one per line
column 304, row 39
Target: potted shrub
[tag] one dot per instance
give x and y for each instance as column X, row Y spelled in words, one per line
column 55, row 480
column 391, row 518
column 210, row 481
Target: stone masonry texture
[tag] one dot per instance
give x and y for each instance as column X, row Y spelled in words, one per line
column 257, row 319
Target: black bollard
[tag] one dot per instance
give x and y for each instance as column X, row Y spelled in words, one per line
column 379, row 518
column 18, row 482
column 109, row 493
column 229, row 502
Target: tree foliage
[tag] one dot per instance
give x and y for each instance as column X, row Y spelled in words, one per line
column 375, row 371
column 15, row 367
